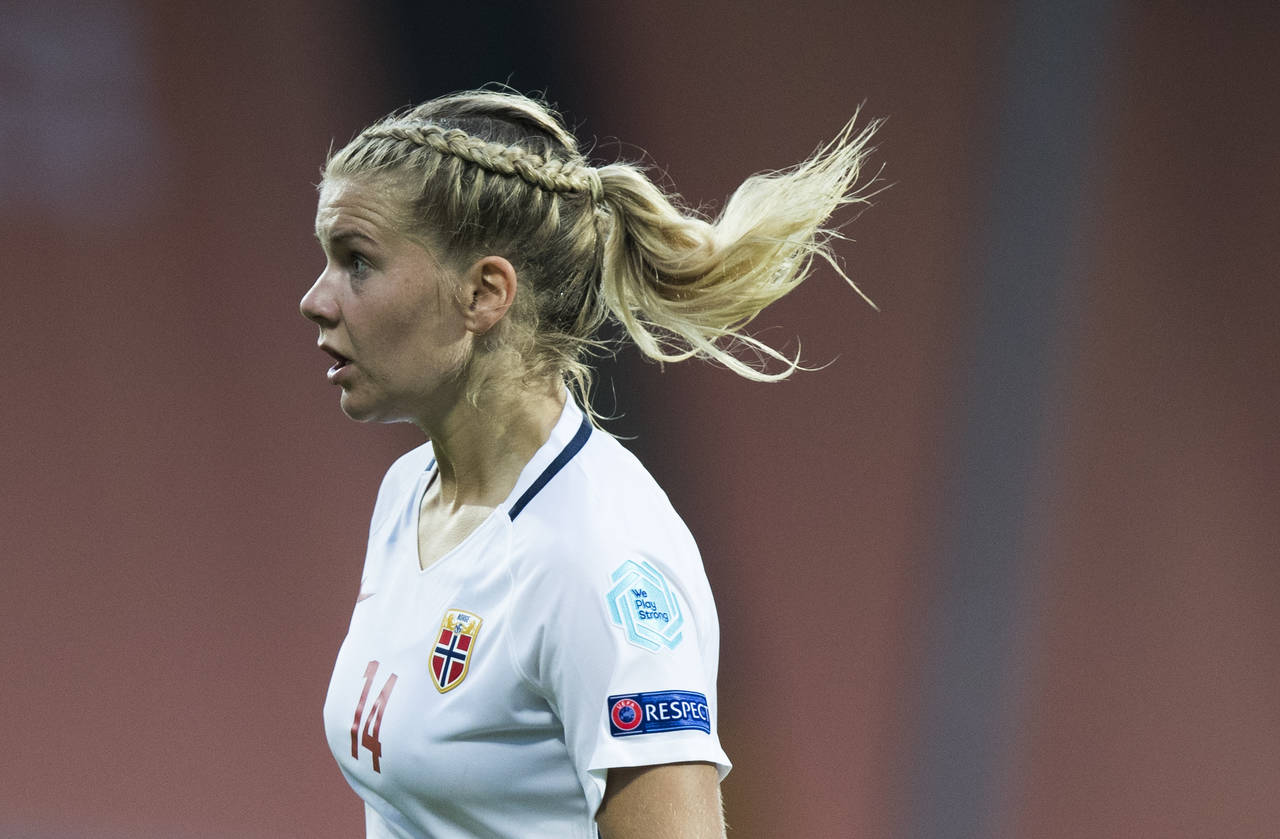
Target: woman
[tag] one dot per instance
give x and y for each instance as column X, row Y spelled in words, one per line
column 533, row 651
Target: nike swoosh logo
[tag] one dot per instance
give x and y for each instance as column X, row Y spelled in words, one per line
column 365, row 595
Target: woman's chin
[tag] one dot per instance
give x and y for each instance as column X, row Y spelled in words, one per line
column 357, row 409
column 368, row 410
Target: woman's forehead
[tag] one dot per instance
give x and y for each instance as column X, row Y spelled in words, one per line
column 362, row 204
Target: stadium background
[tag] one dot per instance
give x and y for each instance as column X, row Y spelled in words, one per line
column 1008, row 567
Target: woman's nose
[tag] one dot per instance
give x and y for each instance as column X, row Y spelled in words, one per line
column 319, row 306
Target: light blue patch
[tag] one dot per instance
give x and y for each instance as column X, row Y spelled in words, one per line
column 645, row 607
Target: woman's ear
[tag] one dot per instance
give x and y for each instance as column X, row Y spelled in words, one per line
column 488, row 290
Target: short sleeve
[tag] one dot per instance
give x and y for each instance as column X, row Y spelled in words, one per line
column 627, row 657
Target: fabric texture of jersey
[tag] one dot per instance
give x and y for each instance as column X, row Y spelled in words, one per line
column 572, row 632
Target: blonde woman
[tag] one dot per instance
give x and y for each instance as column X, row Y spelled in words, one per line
column 533, row 651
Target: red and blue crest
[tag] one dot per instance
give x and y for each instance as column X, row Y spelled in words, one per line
column 454, row 647
column 625, row 715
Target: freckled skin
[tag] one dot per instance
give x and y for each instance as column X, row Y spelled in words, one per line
column 388, row 305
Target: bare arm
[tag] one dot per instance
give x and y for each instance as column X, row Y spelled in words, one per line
column 671, row 801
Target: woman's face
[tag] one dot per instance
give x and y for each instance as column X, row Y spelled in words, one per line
column 387, row 310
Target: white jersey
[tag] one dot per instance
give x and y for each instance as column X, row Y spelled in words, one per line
column 573, row 631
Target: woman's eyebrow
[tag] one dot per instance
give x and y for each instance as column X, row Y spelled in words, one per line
column 340, row 236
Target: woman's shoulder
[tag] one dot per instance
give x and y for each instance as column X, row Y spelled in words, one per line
column 401, row 478
column 603, row 506
column 406, row 469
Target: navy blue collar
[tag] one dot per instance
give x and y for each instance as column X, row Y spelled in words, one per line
column 566, row 454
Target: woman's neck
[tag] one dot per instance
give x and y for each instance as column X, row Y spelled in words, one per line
column 481, row 449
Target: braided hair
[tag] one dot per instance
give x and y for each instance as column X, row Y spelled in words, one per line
column 488, row 172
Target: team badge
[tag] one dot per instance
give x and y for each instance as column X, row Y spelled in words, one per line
column 454, row 647
column 658, row 711
column 645, row 607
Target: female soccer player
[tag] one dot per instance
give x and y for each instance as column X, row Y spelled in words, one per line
column 533, row 651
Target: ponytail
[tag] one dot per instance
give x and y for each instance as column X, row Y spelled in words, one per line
column 683, row 287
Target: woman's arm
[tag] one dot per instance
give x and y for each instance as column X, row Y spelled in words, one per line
column 671, row 801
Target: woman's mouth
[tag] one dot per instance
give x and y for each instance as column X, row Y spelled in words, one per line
column 340, row 362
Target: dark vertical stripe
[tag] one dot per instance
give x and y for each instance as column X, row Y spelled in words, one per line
column 1052, row 87
column 528, row 46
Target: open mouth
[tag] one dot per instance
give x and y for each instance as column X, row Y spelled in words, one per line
column 339, row 360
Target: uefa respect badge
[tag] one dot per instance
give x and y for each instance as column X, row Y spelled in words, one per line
column 658, row 711
column 645, row 607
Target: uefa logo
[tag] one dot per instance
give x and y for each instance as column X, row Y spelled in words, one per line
column 626, row 715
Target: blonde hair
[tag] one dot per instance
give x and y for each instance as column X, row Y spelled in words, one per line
column 489, row 172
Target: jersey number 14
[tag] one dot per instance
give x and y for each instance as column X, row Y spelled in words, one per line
column 373, row 723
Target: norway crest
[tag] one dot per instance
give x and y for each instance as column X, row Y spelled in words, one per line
column 451, row 655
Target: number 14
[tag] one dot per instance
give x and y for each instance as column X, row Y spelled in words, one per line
column 369, row 737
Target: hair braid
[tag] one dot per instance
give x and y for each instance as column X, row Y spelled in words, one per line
column 553, row 175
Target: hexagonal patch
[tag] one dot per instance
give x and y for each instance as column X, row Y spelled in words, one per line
column 645, row 607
